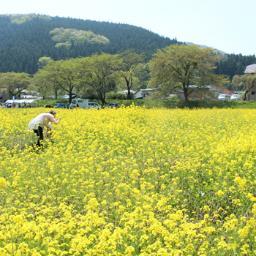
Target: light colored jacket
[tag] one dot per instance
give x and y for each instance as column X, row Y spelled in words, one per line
column 42, row 120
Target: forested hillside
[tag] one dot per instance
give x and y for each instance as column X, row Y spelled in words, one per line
column 234, row 64
column 26, row 38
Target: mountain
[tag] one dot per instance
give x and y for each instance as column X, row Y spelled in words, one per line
column 206, row 46
column 26, row 38
column 231, row 64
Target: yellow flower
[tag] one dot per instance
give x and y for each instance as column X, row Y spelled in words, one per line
column 254, row 209
column 251, row 197
column 3, row 183
column 220, row 193
column 240, row 182
column 129, row 250
column 129, row 181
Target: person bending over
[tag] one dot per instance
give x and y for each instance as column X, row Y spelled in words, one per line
column 38, row 123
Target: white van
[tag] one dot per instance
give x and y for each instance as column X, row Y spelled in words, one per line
column 83, row 103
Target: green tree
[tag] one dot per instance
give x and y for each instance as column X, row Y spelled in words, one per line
column 42, row 82
column 61, row 74
column 238, row 83
column 132, row 68
column 47, row 78
column 179, row 66
column 43, row 61
column 14, row 83
column 98, row 72
column 246, row 83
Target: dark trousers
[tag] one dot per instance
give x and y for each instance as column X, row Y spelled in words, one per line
column 40, row 134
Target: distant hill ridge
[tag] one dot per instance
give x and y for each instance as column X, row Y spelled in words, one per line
column 26, row 38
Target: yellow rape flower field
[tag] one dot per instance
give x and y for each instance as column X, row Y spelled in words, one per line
column 129, row 181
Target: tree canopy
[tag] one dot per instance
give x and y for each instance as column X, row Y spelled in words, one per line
column 179, row 66
column 98, row 73
column 58, row 75
column 14, row 83
column 132, row 67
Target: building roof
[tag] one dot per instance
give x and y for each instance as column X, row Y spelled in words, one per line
column 251, row 69
column 20, row 101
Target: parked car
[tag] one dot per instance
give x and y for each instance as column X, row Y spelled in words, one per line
column 84, row 103
column 235, row 96
column 61, row 105
column 223, row 96
column 112, row 105
column 92, row 104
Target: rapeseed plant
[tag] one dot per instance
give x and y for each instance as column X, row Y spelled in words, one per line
column 130, row 181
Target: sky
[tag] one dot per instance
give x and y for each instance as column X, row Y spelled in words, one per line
column 227, row 25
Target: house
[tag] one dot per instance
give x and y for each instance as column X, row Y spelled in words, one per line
column 250, row 93
column 140, row 94
column 250, row 69
column 25, row 94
